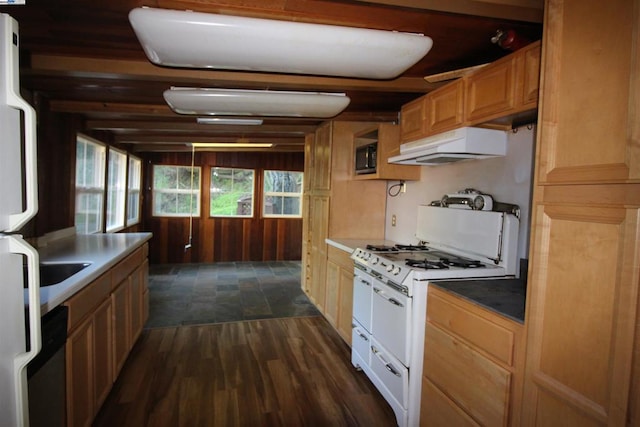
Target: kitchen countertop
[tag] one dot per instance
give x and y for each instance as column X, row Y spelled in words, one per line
column 503, row 296
column 103, row 251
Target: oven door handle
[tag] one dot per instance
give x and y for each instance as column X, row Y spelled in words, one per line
column 386, row 364
column 366, row 282
column 391, row 300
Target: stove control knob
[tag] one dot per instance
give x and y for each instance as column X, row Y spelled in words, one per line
column 390, row 268
column 375, row 260
column 367, row 255
column 396, row 270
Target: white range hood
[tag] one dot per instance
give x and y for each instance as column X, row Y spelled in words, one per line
column 453, row 146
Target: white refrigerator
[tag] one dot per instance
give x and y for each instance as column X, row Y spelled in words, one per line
column 18, row 204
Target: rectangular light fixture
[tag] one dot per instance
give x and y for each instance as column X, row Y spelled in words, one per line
column 223, row 121
column 231, row 145
column 240, row 102
column 204, row 40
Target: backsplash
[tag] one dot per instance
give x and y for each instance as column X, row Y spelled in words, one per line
column 507, row 179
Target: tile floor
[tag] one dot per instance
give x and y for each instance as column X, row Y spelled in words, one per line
column 191, row 294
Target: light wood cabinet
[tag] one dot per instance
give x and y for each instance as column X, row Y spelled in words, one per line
column 413, row 123
column 340, row 208
column 387, row 139
column 445, row 108
column 473, row 364
column 583, row 351
column 88, row 365
column 497, row 95
column 339, row 291
column 101, row 334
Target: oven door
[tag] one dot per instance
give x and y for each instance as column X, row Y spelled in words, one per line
column 391, row 373
column 362, row 289
column 391, row 320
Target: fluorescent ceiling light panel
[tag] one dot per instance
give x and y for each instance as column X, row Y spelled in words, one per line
column 231, row 145
column 239, row 102
column 223, row 121
column 203, row 40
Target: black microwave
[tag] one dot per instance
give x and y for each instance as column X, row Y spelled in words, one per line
column 366, row 159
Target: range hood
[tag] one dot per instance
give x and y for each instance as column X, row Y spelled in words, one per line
column 453, row 146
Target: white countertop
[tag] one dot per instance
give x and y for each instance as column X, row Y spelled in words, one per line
column 349, row 245
column 103, row 251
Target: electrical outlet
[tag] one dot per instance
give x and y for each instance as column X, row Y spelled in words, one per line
column 393, row 220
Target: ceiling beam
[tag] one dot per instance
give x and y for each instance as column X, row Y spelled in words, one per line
column 182, row 139
column 56, row 65
column 159, row 126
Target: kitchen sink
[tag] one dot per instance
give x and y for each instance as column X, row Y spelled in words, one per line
column 54, row 273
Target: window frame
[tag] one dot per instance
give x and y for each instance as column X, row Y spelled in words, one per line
column 81, row 190
column 253, row 192
column 266, row 193
column 197, row 193
column 119, row 187
column 129, row 221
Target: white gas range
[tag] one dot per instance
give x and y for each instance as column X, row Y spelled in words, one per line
column 390, row 293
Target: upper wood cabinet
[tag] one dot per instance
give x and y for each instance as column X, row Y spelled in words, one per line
column 500, row 93
column 445, row 107
column 387, row 138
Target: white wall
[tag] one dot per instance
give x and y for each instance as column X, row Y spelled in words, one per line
column 507, row 179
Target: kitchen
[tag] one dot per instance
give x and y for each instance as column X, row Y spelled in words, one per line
column 565, row 181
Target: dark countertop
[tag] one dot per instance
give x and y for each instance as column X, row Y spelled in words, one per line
column 503, row 296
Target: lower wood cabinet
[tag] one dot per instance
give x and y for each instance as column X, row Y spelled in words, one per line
column 104, row 322
column 338, row 308
column 473, row 364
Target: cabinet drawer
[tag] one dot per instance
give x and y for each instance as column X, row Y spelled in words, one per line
column 87, row 299
column 124, row 268
column 488, row 336
column 340, row 257
column 473, row 382
column 437, row 410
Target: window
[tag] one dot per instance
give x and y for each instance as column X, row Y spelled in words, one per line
column 133, row 191
column 231, row 192
column 176, row 191
column 90, row 162
column 116, row 187
column 282, row 194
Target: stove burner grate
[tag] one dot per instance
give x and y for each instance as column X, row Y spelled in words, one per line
column 461, row 262
column 381, row 248
column 426, row 264
column 412, row 247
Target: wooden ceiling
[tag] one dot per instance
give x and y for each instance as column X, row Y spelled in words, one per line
column 84, row 58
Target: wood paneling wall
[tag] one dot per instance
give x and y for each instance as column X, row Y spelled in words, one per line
column 223, row 239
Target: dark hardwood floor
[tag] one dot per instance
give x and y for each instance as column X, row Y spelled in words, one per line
column 273, row 372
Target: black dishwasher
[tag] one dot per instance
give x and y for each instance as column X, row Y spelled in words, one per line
column 46, row 373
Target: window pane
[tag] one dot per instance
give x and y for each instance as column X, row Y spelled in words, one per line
column 172, row 193
column 90, row 168
column 133, row 191
column 116, row 176
column 282, row 193
column 231, row 192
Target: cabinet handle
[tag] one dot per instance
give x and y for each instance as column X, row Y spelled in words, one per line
column 391, row 300
column 387, row 365
column 365, row 282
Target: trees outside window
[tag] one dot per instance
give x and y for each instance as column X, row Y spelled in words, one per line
column 116, row 189
column 90, row 185
column 133, row 190
column 231, row 192
column 282, row 194
column 176, row 191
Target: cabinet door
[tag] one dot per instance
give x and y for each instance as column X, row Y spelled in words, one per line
column 412, row 120
column 345, row 313
column 121, row 301
column 79, row 373
column 445, row 107
column 322, row 158
column 437, row 410
column 332, row 293
column 137, row 290
column 531, row 80
column 476, row 384
column 319, row 229
column 491, row 91
column 102, row 354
